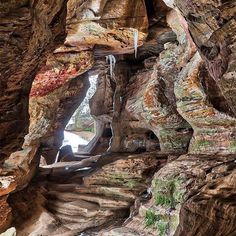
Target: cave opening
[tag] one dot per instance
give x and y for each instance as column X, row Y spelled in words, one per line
column 128, row 147
column 81, row 127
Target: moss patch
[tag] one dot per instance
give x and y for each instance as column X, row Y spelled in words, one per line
column 168, row 193
column 124, row 179
column 156, row 221
column 151, row 218
column 172, row 140
column 232, row 146
column 202, row 144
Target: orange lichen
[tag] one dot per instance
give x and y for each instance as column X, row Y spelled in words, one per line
column 148, row 98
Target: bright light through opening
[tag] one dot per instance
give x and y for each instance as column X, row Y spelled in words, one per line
column 81, row 127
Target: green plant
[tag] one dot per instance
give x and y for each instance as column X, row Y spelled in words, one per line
column 161, row 226
column 125, row 180
column 202, row 144
column 163, row 200
column 131, row 183
column 169, row 192
column 156, row 221
column 232, row 146
column 151, row 218
column 89, row 129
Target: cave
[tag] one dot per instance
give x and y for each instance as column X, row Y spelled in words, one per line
column 145, row 90
column 81, row 127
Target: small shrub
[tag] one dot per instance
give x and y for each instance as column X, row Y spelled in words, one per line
column 156, row 221
column 163, row 200
column 168, row 193
column 151, row 218
column 161, row 226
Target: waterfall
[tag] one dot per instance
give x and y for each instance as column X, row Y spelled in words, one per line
column 136, row 34
column 112, row 61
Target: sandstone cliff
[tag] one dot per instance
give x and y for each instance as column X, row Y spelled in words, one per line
column 162, row 161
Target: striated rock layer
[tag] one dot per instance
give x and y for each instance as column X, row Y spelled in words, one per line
column 84, row 198
column 213, row 130
column 192, row 195
column 28, row 33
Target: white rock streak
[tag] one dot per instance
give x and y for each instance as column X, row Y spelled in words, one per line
column 136, row 34
column 112, row 61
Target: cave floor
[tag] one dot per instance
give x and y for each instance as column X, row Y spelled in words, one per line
column 89, row 194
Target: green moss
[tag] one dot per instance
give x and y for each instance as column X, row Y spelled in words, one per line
column 168, row 193
column 209, row 132
column 156, row 221
column 202, row 144
column 174, row 222
column 172, row 140
column 151, row 218
column 232, row 146
column 89, row 129
column 124, row 179
column 162, row 227
column 115, row 193
column 163, row 200
column 166, row 56
column 131, row 183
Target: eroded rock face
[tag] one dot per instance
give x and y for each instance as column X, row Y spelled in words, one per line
column 151, row 98
column 101, row 108
column 213, row 27
column 203, row 184
column 106, row 23
column 60, row 79
column 158, row 112
column 214, row 202
column 6, row 214
column 83, row 199
column 28, row 32
column 16, row 173
column 201, row 178
column 213, row 130
column 84, row 23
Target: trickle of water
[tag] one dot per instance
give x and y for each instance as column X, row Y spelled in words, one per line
column 136, row 34
column 112, row 61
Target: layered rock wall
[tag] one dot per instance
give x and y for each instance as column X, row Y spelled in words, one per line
column 172, row 94
column 61, row 79
column 28, row 32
